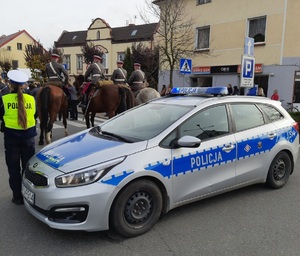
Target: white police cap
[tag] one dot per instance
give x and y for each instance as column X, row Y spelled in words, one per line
column 17, row 77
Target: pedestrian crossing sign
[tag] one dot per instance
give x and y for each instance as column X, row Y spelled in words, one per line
column 185, row 66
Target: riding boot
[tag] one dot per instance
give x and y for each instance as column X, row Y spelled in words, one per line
column 83, row 102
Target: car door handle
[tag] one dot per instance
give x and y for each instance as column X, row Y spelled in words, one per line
column 228, row 148
column 272, row 135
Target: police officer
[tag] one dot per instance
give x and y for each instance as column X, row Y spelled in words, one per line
column 137, row 78
column 18, row 116
column 119, row 75
column 96, row 71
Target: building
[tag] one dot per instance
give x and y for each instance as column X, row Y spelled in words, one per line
column 274, row 26
column 113, row 42
column 12, row 48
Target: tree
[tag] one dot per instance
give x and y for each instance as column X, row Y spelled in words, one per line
column 36, row 58
column 128, row 62
column 89, row 50
column 5, row 60
column 175, row 36
column 5, row 65
column 149, row 58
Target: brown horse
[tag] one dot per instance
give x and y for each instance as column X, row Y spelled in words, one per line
column 106, row 98
column 51, row 101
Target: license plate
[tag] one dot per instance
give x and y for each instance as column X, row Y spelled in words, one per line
column 27, row 194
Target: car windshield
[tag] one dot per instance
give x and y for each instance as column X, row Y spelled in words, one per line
column 144, row 122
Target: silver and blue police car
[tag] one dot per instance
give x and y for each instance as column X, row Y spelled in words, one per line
column 193, row 144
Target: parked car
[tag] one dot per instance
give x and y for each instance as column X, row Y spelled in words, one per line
column 190, row 145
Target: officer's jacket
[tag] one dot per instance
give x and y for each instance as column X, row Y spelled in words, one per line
column 119, row 76
column 10, row 104
column 61, row 73
column 96, row 71
column 137, row 77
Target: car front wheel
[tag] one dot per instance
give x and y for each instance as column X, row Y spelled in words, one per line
column 136, row 208
column 279, row 171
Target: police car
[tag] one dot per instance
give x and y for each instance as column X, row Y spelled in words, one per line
column 193, row 144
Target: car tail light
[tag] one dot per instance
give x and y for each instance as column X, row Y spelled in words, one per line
column 296, row 126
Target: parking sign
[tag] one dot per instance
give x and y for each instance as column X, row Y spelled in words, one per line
column 247, row 71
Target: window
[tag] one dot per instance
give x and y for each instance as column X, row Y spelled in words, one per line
column 207, row 124
column 9, row 48
column 133, row 33
column 98, row 35
column 19, row 46
column 15, row 64
column 272, row 113
column 257, row 29
column 104, row 60
column 67, row 61
column 29, row 47
column 79, row 62
column 246, row 116
column 203, row 38
column 121, row 56
column 203, row 1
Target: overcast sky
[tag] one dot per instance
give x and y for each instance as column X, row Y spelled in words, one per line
column 46, row 20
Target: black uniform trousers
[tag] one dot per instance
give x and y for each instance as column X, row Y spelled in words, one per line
column 17, row 149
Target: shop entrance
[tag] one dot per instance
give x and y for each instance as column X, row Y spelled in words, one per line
column 262, row 81
column 205, row 81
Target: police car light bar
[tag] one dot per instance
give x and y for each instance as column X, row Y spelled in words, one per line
column 219, row 90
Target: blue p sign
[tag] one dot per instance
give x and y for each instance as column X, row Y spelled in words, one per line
column 248, row 68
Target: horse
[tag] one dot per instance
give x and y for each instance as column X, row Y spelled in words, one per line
column 106, row 97
column 51, row 101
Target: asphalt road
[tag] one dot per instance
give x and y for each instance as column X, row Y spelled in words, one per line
column 251, row 221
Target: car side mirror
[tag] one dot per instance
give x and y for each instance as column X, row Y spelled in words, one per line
column 188, row 142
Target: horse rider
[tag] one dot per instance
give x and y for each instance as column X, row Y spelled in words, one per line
column 57, row 73
column 119, row 75
column 137, row 78
column 96, row 71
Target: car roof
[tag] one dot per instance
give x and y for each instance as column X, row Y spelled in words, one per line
column 192, row 100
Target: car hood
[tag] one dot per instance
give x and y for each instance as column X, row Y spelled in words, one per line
column 83, row 150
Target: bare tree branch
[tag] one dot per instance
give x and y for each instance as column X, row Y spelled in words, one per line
column 176, row 35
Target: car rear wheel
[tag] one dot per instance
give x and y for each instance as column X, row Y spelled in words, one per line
column 136, row 208
column 279, row 171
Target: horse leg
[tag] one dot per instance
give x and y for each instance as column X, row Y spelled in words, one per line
column 41, row 140
column 111, row 113
column 65, row 113
column 49, row 127
column 87, row 119
column 93, row 118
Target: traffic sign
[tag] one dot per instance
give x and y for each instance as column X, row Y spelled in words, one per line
column 185, row 66
column 247, row 71
column 249, row 46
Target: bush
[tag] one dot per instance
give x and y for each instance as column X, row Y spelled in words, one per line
column 295, row 116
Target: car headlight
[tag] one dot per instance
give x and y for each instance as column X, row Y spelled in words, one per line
column 87, row 176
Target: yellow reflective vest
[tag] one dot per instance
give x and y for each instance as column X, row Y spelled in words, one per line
column 10, row 103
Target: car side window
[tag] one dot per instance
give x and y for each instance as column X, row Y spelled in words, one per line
column 246, row 116
column 271, row 112
column 206, row 124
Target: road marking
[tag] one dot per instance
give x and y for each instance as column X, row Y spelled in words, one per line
column 80, row 123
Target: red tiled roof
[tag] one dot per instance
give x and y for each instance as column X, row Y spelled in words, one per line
column 6, row 39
